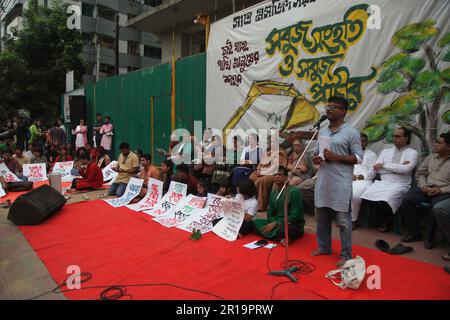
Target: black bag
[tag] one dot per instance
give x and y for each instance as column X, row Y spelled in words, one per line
column 19, row 186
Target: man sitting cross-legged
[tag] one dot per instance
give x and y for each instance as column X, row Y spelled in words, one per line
column 273, row 227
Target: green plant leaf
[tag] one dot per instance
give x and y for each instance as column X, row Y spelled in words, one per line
column 445, row 75
column 446, row 117
column 395, row 83
column 445, row 40
column 378, row 119
column 406, row 105
column 412, row 36
column 427, row 85
column 390, row 132
column 446, row 57
column 375, row 133
column 446, row 97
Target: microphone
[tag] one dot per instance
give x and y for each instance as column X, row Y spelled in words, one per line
column 319, row 122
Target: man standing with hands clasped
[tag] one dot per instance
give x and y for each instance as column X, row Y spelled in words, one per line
column 333, row 191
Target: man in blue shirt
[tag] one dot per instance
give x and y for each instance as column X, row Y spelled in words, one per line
column 333, row 192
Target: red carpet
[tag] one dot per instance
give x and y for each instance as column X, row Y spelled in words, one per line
column 12, row 196
column 120, row 246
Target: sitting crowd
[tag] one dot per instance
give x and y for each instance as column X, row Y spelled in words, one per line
column 384, row 186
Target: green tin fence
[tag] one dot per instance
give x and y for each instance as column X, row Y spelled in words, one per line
column 139, row 103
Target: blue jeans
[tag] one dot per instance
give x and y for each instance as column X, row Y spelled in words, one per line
column 117, row 189
column 324, row 218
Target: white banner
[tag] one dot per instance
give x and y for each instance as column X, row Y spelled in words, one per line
column 35, row 172
column 276, row 64
column 203, row 221
column 187, row 207
column 7, row 174
column 176, row 192
column 154, row 194
column 233, row 216
column 132, row 191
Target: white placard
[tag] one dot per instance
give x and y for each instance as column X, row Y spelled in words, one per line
column 108, row 173
column 176, row 192
column 233, row 216
column 2, row 191
column 203, row 221
column 35, row 171
column 324, row 143
column 154, row 194
column 69, row 81
column 63, row 168
column 7, row 174
column 189, row 206
column 134, row 186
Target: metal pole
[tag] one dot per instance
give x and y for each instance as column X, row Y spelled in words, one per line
column 97, row 66
column 117, row 44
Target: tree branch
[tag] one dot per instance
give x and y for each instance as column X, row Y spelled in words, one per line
column 431, row 56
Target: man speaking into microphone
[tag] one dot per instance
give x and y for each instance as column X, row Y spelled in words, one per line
column 333, row 193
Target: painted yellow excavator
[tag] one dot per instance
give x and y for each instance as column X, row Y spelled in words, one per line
column 301, row 112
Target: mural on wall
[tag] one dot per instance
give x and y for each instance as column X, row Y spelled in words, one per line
column 424, row 84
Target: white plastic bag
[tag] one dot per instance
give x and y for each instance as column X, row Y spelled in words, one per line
column 351, row 274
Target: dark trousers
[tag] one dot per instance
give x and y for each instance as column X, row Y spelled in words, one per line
column 409, row 208
column 380, row 212
column 294, row 232
column 441, row 212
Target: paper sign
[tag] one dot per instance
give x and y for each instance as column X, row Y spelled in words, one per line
column 233, row 216
column 63, row 168
column 154, row 194
column 189, row 206
column 7, row 174
column 203, row 221
column 176, row 192
column 134, row 186
column 324, row 143
column 35, row 172
column 108, row 173
column 2, row 191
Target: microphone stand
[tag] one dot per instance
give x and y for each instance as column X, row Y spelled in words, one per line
column 289, row 270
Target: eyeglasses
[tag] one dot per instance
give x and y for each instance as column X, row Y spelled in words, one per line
column 333, row 107
column 397, row 136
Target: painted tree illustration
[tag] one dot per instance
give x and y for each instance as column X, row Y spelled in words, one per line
column 425, row 88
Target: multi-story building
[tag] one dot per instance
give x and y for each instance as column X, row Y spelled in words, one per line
column 173, row 22
column 136, row 48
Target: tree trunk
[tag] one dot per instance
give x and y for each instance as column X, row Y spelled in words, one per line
column 430, row 54
column 433, row 117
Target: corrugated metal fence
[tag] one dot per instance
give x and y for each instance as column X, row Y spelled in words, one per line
column 130, row 98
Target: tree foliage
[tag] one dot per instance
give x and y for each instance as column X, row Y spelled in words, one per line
column 36, row 58
column 424, row 90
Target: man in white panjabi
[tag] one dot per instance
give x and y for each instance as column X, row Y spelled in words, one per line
column 395, row 166
column 363, row 175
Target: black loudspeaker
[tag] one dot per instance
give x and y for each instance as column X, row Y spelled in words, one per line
column 36, row 206
column 78, row 111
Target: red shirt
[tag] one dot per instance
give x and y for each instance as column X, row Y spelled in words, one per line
column 92, row 177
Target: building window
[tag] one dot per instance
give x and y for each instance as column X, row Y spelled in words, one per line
column 106, row 42
column 133, row 48
column 152, row 52
column 87, row 10
column 107, row 69
column 106, row 13
column 153, row 3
